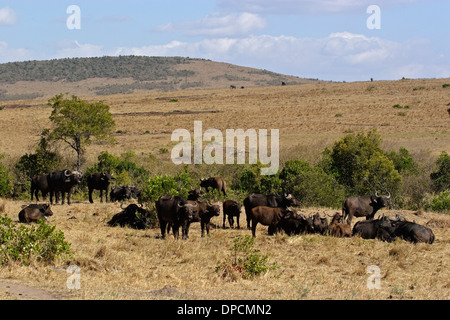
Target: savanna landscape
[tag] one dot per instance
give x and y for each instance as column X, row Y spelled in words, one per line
column 123, row 263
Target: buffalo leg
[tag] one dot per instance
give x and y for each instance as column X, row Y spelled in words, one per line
column 254, row 223
column 224, row 217
column 162, row 225
column 101, row 196
column 231, row 221
column 90, row 196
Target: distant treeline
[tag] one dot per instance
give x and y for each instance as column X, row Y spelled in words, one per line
column 139, row 68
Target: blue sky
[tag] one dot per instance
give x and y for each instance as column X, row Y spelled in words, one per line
column 321, row 39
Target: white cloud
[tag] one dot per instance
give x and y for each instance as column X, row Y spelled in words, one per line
column 8, row 54
column 216, row 25
column 7, row 16
column 339, row 56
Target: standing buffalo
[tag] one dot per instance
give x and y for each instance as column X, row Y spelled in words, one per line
column 99, row 181
column 267, row 216
column 231, row 209
column 195, row 194
column 63, row 181
column 364, row 206
column 39, row 183
column 176, row 211
column 203, row 212
column 34, row 212
column 217, row 183
column 273, row 201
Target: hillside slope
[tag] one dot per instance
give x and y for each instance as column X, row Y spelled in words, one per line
column 128, row 74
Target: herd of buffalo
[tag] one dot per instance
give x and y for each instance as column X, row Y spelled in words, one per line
column 275, row 211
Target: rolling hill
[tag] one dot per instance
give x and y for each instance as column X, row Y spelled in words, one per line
column 128, row 74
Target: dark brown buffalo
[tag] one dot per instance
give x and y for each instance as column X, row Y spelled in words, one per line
column 195, row 194
column 267, row 216
column 176, row 211
column 273, row 201
column 217, row 183
column 99, row 181
column 320, row 224
column 120, row 193
column 39, row 183
column 294, row 224
column 364, row 206
column 375, row 229
column 128, row 217
column 338, row 229
column 413, row 232
column 231, row 209
column 34, row 212
column 63, row 182
column 203, row 212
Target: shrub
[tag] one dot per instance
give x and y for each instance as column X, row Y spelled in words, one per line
column 157, row 186
column 441, row 176
column 440, row 202
column 5, row 179
column 358, row 162
column 25, row 244
column 245, row 260
column 312, row 186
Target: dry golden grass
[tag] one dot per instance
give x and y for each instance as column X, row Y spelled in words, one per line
column 128, row 264
column 310, row 117
column 122, row 263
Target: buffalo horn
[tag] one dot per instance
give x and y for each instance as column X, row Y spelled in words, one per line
column 67, row 173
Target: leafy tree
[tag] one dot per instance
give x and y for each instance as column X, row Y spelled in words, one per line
column 358, row 162
column 251, row 180
column 403, row 161
column 312, row 186
column 5, row 179
column 441, row 177
column 76, row 122
column 41, row 162
column 157, row 186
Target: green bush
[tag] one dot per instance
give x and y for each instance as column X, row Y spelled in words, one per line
column 312, row 186
column 440, row 202
column 157, row 186
column 441, row 176
column 246, row 260
column 5, row 179
column 358, row 162
column 26, row 244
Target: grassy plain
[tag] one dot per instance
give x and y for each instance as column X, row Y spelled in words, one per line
column 121, row 263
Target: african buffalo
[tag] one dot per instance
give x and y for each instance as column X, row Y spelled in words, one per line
column 338, row 229
column 128, row 217
column 176, row 211
column 320, row 224
column 267, row 216
column 217, row 183
column 120, row 193
column 231, row 209
column 364, row 206
column 380, row 228
column 293, row 224
column 99, row 181
column 273, row 201
column 203, row 212
column 413, row 232
column 195, row 194
column 39, row 183
column 34, row 212
column 63, row 181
